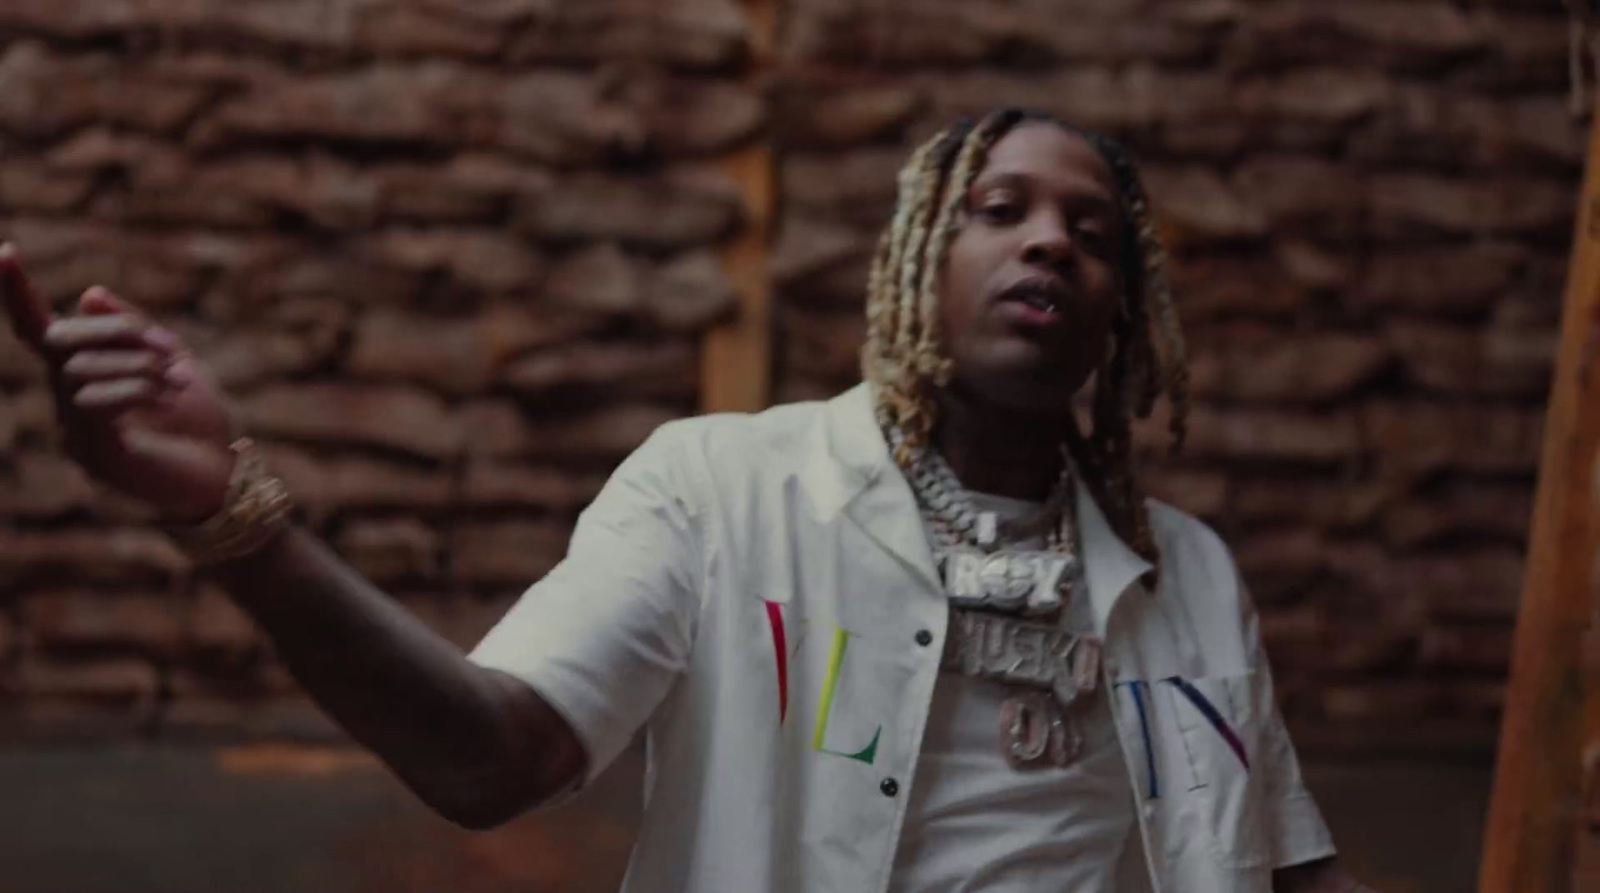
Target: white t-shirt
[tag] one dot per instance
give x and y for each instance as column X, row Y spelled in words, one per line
column 973, row 823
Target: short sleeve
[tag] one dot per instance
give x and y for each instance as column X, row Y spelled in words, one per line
column 1296, row 829
column 606, row 633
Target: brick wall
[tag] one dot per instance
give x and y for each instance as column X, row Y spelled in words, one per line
column 454, row 258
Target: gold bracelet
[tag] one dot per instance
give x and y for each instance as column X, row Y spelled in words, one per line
column 255, row 510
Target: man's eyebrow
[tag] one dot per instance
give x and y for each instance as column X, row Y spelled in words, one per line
column 1017, row 179
column 1096, row 202
column 1002, row 178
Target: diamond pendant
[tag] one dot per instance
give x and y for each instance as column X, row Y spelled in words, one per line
column 1035, row 733
column 1028, row 582
column 1083, row 673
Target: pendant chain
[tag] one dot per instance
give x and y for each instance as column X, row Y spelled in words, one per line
column 957, row 522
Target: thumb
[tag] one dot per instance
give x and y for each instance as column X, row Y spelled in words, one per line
column 99, row 301
column 28, row 312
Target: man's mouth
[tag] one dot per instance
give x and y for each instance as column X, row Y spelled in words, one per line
column 1045, row 298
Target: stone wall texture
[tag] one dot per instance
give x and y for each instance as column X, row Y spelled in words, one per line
column 455, row 260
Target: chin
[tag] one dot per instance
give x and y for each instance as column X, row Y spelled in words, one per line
column 1030, row 390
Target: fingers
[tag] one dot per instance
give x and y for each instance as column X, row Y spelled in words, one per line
column 104, row 361
column 99, row 385
column 115, row 321
column 105, row 400
column 120, row 331
column 91, row 366
column 108, row 359
column 27, row 310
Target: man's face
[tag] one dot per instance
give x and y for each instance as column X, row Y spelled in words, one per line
column 1032, row 281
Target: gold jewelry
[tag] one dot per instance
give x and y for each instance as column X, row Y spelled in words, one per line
column 255, row 511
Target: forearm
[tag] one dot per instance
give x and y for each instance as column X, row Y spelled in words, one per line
column 475, row 744
column 1322, row 876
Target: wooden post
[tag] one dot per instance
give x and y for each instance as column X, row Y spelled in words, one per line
column 1552, row 706
column 736, row 360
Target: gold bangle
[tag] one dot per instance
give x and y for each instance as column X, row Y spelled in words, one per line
column 255, row 510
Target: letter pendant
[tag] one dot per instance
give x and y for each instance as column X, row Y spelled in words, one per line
column 1029, row 583
column 1034, row 733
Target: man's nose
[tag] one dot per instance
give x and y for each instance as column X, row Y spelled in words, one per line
column 1047, row 243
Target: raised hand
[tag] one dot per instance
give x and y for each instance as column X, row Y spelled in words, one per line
column 136, row 409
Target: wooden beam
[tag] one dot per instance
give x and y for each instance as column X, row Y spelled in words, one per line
column 1536, row 805
column 736, row 359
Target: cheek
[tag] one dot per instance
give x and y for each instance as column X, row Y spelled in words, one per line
column 960, row 284
column 1098, row 277
column 1102, row 281
column 1099, row 316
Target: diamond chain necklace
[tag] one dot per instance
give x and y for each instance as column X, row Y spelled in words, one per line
column 944, row 500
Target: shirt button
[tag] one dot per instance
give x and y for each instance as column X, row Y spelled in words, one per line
column 889, row 787
column 924, row 637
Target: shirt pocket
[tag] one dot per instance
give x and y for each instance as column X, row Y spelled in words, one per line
column 1221, row 736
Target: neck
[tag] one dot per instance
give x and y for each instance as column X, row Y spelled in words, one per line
column 1000, row 451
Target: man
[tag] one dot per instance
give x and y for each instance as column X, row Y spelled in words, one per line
column 923, row 637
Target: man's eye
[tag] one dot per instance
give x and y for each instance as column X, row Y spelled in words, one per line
column 1093, row 238
column 1000, row 211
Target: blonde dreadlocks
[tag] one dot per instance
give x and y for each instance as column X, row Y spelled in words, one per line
column 904, row 357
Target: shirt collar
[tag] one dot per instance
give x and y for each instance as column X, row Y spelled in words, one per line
column 854, row 455
column 854, row 473
column 1109, row 564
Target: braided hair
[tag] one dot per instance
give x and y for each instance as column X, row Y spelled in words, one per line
column 904, row 356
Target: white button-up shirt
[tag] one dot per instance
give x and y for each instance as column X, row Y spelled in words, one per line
column 758, row 594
